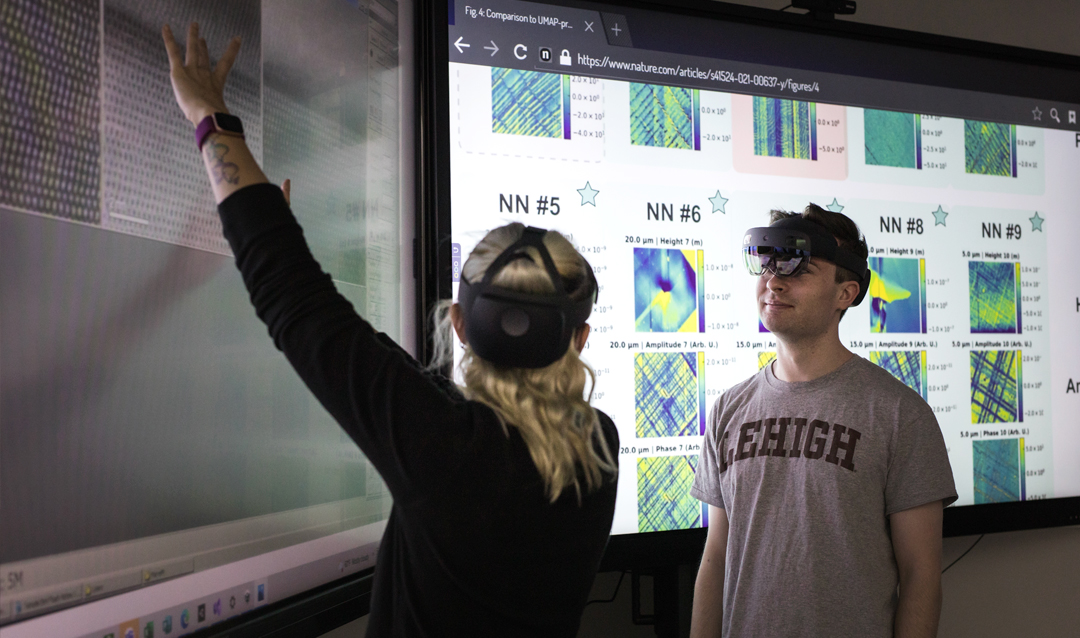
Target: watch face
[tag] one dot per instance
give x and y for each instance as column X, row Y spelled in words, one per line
column 228, row 123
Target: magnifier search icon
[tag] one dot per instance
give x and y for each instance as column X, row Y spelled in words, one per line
column 1054, row 114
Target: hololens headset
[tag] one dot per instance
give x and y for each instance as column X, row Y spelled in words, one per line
column 519, row 329
column 785, row 248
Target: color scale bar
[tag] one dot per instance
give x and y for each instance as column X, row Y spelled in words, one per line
column 1012, row 142
column 922, row 291
column 813, row 130
column 697, row 120
column 566, row 107
column 1023, row 472
column 704, row 515
column 1019, row 313
column 1020, row 386
column 922, row 375
column 701, row 290
column 701, row 391
column 918, row 148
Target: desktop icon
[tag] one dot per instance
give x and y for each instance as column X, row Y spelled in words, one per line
column 185, row 619
column 166, row 625
column 217, row 607
column 232, row 602
column 261, row 595
column 129, row 628
column 202, row 613
column 247, row 597
column 148, row 630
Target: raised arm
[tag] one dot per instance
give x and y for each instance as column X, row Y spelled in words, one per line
column 413, row 426
column 200, row 92
column 916, row 539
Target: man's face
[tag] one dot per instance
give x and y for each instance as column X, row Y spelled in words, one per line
column 802, row 305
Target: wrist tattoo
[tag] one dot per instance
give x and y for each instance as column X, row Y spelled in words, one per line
column 220, row 170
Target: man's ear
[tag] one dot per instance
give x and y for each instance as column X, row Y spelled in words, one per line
column 849, row 292
column 457, row 317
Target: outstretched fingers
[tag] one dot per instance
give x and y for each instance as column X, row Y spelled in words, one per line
column 192, row 45
column 172, row 48
column 204, row 56
column 224, row 65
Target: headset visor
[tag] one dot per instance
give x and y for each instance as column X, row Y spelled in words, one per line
column 782, row 262
column 785, row 247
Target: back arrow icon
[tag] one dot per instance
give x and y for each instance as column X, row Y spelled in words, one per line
column 461, row 45
column 494, row 48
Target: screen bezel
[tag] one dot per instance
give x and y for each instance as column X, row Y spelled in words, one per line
column 432, row 243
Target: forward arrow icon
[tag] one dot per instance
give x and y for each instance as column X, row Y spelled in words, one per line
column 494, row 48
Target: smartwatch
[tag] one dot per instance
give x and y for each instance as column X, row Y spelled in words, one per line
column 218, row 123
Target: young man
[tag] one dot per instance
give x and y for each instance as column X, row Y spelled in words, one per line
column 825, row 476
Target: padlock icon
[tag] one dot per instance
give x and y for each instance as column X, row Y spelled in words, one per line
column 564, row 57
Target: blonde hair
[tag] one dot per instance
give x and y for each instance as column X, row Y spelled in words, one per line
column 548, row 406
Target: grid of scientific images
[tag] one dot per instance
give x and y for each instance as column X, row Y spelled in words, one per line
column 669, row 177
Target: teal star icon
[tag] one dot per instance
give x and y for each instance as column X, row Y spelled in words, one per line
column 835, row 206
column 1036, row 222
column 588, row 194
column 718, row 203
column 939, row 216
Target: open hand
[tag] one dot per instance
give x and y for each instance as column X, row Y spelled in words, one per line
column 199, row 90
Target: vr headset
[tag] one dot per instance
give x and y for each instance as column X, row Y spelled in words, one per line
column 518, row 329
column 785, row 248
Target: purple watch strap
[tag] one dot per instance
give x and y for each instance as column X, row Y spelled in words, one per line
column 204, row 129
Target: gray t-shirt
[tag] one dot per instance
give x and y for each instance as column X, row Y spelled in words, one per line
column 808, row 473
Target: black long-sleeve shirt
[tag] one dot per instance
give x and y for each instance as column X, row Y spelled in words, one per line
column 473, row 546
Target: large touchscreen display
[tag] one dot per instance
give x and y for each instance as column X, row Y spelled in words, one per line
column 656, row 163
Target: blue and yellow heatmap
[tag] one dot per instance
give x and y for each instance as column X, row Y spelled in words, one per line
column 999, row 470
column 668, row 290
column 993, row 293
column 897, row 300
column 526, row 103
column 785, row 128
column 669, row 394
column 908, row 366
column 663, row 116
column 996, row 386
column 664, row 501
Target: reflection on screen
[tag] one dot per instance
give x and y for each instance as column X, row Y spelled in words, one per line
column 151, row 433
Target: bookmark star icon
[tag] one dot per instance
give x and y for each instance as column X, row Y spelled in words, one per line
column 718, row 203
column 588, row 194
column 835, row 206
column 1036, row 222
column 939, row 216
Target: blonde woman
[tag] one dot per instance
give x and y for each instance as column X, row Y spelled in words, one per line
column 503, row 494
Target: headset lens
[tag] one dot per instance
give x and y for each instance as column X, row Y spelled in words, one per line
column 782, row 262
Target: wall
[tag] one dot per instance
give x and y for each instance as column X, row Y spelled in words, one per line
column 1012, row 584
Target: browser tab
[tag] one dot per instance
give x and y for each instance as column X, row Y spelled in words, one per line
column 616, row 29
